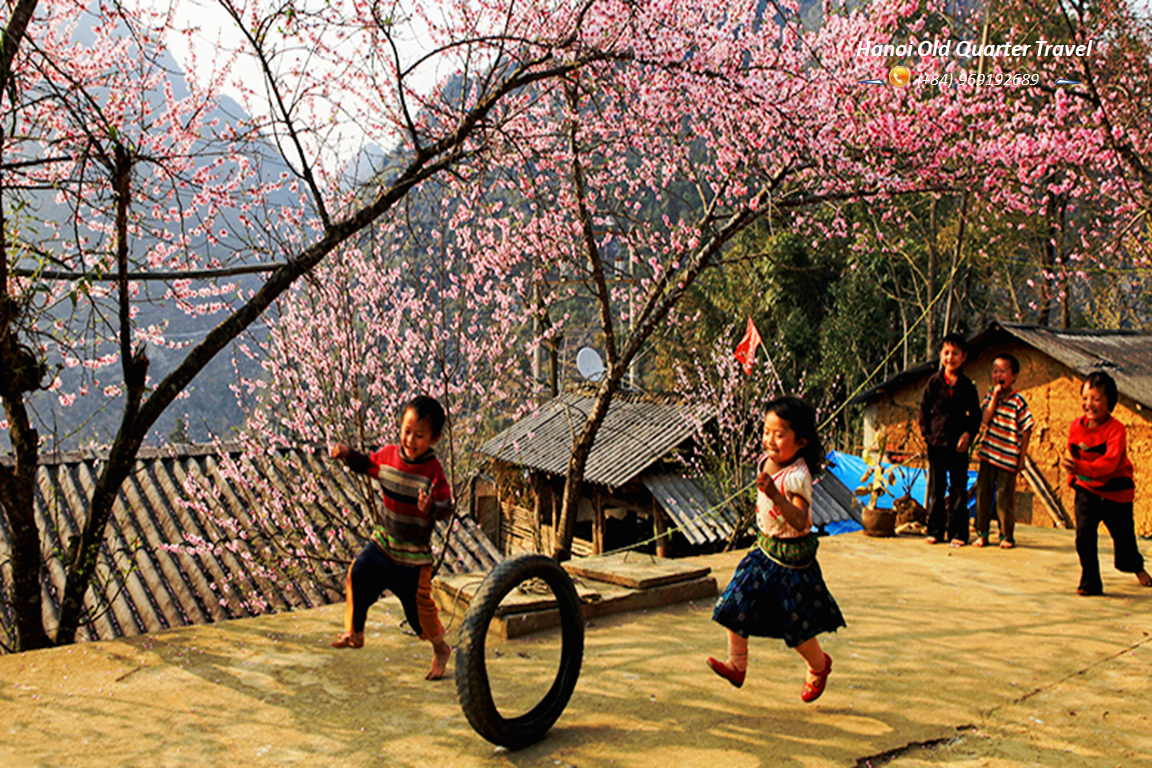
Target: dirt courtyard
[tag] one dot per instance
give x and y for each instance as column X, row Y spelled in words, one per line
column 951, row 658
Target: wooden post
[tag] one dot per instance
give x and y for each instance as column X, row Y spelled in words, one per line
column 661, row 530
column 598, row 524
column 557, row 500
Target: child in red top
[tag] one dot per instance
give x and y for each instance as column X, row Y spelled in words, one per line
column 1100, row 472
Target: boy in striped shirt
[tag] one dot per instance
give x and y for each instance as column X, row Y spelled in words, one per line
column 1002, row 452
column 399, row 556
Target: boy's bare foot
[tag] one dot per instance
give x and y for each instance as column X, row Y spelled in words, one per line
column 980, row 542
column 932, row 540
column 1007, row 544
column 1144, row 579
column 440, row 656
column 957, row 543
column 349, row 640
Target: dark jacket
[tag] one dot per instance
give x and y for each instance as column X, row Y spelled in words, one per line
column 948, row 412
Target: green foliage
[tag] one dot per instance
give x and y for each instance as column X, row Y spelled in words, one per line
column 876, row 481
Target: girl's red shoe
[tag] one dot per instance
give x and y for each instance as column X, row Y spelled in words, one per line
column 727, row 671
column 813, row 690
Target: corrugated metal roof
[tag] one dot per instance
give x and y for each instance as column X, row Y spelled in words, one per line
column 634, row 435
column 1125, row 355
column 695, row 513
column 832, row 502
column 146, row 581
column 691, row 509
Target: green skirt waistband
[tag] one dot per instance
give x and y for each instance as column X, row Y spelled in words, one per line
column 799, row 552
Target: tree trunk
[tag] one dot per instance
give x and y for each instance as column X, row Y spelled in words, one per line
column 930, row 277
column 577, row 461
column 1051, row 251
column 130, row 436
column 17, row 489
column 1065, row 273
column 18, row 484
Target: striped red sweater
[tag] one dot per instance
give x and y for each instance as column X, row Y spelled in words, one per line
column 403, row 531
column 1100, row 456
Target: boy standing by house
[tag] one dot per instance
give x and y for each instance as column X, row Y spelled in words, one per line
column 1100, row 472
column 949, row 418
column 1002, row 452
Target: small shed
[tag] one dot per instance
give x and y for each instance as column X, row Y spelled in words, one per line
column 1053, row 365
column 635, row 489
column 158, row 566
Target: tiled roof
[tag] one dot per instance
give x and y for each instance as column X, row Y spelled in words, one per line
column 1125, row 355
column 635, row 434
column 146, row 585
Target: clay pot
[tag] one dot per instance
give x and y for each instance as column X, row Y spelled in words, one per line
column 879, row 522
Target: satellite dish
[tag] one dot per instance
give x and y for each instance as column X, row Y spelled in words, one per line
column 589, row 364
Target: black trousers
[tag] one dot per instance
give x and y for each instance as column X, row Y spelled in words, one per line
column 947, row 493
column 371, row 574
column 1091, row 510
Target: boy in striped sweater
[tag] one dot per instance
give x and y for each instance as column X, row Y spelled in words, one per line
column 399, row 556
column 1100, row 472
column 1009, row 429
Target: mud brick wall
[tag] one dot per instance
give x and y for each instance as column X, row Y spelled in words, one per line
column 1053, row 394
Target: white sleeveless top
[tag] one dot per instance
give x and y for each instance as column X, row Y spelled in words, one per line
column 792, row 480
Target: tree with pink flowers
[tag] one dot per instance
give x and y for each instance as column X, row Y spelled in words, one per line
column 100, row 123
column 602, row 152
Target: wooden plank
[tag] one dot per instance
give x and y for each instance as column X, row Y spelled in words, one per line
column 455, row 592
column 1048, row 499
column 520, row 624
column 637, row 571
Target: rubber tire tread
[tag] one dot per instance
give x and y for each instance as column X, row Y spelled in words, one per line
column 472, row 685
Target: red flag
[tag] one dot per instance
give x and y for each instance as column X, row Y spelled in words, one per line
column 746, row 349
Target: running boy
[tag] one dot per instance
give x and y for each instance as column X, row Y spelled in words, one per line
column 1002, row 452
column 949, row 419
column 1099, row 470
column 399, row 556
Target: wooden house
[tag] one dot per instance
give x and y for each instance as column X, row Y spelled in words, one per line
column 1053, row 365
column 635, row 490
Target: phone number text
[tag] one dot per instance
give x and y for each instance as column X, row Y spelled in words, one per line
column 972, row 80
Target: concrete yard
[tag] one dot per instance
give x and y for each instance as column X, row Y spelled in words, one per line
column 951, row 658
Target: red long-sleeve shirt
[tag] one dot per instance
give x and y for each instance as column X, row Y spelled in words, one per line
column 1100, row 460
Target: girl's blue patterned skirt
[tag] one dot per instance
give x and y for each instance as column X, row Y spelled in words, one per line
column 778, row 591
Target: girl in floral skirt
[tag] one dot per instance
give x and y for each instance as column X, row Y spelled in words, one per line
column 778, row 590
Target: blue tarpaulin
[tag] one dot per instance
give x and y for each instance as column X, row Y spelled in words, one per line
column 849, row 469
column 843, row 526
